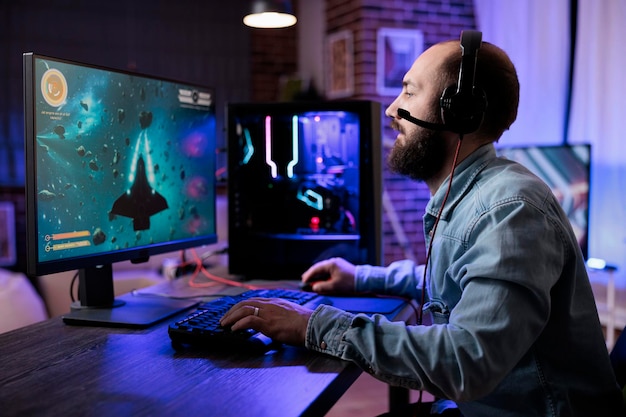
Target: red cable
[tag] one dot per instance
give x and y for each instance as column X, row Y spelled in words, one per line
column 434, row 230
column 215, row 280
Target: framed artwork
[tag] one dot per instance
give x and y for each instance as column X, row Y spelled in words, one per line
column 7, row 234
column 396, row 49
column 341, row 65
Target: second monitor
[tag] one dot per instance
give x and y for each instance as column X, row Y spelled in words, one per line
column 304, row 185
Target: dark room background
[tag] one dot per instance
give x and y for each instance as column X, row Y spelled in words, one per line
column 205, row 42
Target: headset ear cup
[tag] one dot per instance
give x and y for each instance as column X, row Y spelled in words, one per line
column 463, row 105
column 462, row 113
column 477, row 113
column 446, row 104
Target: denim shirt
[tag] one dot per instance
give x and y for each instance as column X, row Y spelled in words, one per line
column 515, row 328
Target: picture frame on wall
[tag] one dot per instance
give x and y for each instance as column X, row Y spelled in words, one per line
column 7, row 234
column 396, row 49
column 340, row 83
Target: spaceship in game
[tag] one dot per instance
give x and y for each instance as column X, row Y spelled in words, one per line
column 140, row 201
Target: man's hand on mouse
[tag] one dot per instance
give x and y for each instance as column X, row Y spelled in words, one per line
column 281, row 320
column 334, row 275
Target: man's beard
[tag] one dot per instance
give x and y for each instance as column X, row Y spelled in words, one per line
column 420, row 157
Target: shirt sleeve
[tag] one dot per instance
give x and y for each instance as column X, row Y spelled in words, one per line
column 401, row 278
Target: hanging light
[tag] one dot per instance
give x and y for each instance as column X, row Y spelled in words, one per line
column 270, row 14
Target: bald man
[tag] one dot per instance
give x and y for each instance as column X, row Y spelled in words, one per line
column 515, row 331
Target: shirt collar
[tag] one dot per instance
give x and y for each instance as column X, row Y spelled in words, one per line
column 464, row 175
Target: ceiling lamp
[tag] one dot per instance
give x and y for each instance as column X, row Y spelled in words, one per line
column 270, row 14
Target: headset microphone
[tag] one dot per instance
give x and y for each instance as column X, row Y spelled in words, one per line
column 432, row 126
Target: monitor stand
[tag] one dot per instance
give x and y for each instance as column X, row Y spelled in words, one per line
column 99, row 307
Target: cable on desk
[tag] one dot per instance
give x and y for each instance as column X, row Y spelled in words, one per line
column 198, row 263
column 215, row 280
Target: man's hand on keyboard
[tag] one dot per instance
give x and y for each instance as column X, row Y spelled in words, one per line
column 281, row 320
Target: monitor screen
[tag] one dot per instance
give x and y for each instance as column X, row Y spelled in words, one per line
column 566, row 169
column 120, row 166
column 304, row 185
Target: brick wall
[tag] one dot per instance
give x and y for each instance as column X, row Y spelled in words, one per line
column 273, row 55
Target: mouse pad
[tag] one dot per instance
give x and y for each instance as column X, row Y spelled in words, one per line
column 368, row 305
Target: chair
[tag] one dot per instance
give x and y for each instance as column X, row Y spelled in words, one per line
column 20, row 305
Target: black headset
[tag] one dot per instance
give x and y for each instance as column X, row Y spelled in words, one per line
column 463, row 105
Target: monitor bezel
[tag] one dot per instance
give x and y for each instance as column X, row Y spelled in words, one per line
column 35, row 267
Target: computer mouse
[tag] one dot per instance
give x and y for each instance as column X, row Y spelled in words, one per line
column 308, row 286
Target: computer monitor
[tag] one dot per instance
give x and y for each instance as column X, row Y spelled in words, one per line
column 304, row 184
column 119, row 166
column 566, row 169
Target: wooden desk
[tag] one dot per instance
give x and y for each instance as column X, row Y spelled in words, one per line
column 52, row 369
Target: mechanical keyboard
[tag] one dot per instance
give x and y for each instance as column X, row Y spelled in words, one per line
column 201, row 328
